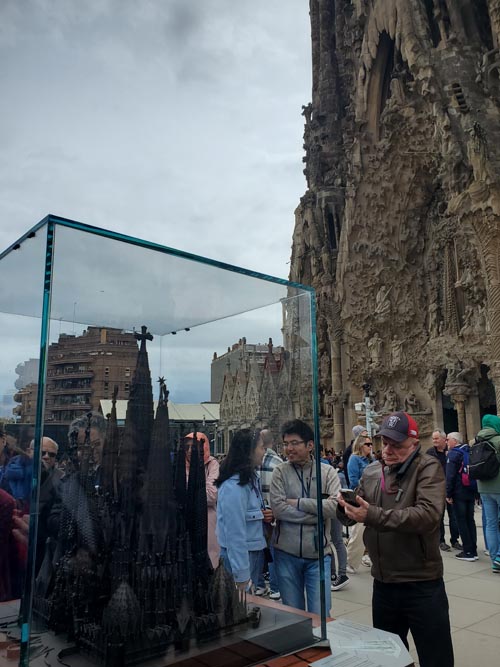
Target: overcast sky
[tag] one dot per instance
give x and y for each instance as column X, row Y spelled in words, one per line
column 178, row 121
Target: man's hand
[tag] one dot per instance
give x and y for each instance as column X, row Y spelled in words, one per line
column 268, row 515
column 359, row 514
column 449, row 501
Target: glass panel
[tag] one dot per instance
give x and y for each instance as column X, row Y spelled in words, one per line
column 126, row 559
column 165, row 290
column 21, row 275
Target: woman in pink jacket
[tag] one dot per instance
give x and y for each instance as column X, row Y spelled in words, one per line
column 211, row 474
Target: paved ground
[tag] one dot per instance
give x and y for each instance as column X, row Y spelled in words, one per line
column 474, row 597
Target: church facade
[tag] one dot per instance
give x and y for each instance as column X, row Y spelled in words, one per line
column 399, row 229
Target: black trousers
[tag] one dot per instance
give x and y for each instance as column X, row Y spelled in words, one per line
column 464, row 511
column 454, row 532
column 422, row 608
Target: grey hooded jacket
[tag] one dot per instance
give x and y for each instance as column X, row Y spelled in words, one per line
column 296, row 530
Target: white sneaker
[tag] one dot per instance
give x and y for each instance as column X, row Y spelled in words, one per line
column 274, row 595
column 366, row 561
column 261, row 590
column 351, row 570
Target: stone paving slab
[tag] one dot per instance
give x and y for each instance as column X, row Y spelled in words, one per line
column 462, row 615
column 489, row 626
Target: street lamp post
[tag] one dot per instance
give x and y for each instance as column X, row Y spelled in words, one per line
column 368, row 408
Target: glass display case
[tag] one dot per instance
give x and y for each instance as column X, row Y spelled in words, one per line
column 113, row 351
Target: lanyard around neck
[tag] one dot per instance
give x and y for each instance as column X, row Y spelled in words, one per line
column 306, row 489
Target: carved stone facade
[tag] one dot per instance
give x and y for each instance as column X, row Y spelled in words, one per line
column 399, row 230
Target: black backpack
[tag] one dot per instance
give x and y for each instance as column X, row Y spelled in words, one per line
column 483, row 460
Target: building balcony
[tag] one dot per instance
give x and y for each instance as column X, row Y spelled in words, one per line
column 69, row 406
column 69, row 359
column 51, row 373
column 68, row 390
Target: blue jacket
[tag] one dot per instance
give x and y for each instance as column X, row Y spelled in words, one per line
column 3, row 484
column 18, row 475
column 454, row 487
column 355, row 469
column 240, row 527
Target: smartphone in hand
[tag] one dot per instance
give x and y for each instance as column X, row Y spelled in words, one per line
column 349, row 496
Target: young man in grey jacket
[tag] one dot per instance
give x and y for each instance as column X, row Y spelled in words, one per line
column 295, row 508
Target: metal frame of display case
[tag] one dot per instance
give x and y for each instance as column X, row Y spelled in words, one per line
column 53, row 226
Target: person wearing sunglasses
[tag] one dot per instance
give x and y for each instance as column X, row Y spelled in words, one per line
column 49, row 453
column 50, row 492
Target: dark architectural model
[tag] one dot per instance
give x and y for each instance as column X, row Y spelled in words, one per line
column 129, row 577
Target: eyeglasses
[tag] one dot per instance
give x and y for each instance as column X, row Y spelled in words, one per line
column 292, row 443
column 51, row 454
column 368, row 444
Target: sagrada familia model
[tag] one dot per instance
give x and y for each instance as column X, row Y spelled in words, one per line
column 129, row 576
column 399, row 230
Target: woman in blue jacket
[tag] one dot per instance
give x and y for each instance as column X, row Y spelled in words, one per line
column 360, row 458
column 241, row 512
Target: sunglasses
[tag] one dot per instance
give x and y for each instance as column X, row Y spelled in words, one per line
column 51, row 454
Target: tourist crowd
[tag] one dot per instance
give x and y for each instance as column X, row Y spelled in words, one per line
column 384, row 510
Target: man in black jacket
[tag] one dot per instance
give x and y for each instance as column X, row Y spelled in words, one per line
column 439, row 451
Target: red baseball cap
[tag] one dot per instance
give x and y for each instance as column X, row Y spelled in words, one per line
column 398, row 426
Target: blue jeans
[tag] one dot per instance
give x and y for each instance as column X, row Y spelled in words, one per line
column 491, row 504
column 483, row 519
column 256, row 559
column 298, row 579
column 273, row 577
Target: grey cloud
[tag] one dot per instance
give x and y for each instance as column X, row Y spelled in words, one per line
column 182, row 22
column 197, row 146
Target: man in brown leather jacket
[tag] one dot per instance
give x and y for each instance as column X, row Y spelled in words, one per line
column 401, row 503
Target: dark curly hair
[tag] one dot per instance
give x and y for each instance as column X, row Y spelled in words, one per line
column 239, row 457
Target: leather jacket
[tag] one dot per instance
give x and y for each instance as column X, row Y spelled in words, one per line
column 402, row 527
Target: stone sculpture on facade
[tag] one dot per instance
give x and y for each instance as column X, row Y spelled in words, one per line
column 391, row 401
column 412, row 405
column 375, row 348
